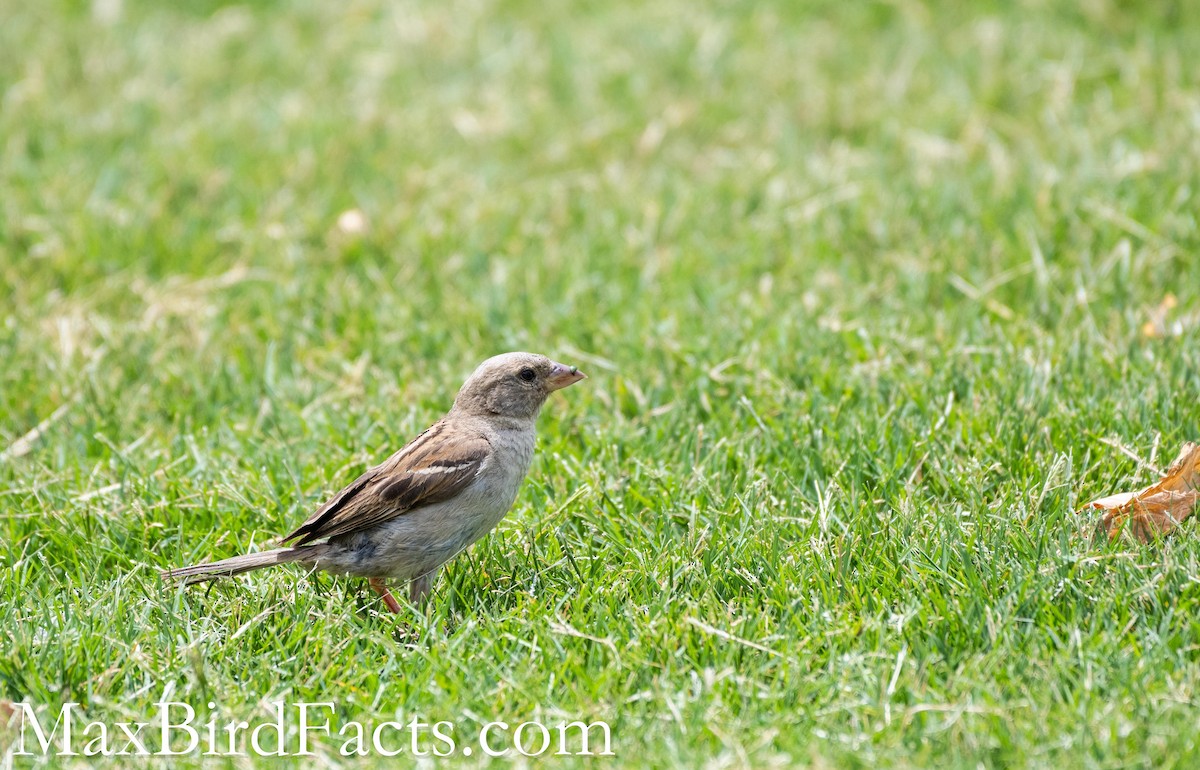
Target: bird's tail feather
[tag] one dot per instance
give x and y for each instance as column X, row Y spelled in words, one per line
column 236, row 565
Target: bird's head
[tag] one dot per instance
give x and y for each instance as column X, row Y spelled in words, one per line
column 513, row 385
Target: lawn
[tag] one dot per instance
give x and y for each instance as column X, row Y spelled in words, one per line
column 872, row 297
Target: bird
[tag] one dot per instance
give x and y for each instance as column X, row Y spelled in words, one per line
column 401, row 520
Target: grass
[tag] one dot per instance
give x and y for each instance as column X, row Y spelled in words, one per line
column 860, row 287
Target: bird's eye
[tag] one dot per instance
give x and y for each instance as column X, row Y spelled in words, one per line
column 527, row 374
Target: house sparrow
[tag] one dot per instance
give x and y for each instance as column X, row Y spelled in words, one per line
column 405, row 518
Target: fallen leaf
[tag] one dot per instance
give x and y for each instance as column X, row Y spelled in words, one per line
column 1159, row 508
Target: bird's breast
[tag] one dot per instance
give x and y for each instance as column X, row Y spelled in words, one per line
column 508, row 466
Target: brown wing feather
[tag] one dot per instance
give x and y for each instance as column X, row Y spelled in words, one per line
column 429, row 469
column 339, row 501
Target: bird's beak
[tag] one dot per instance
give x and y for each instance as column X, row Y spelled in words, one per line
column 562, row 376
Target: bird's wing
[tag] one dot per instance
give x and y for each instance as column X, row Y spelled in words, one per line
column 435, row 466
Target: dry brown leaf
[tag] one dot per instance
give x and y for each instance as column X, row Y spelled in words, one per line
column 1159, row 508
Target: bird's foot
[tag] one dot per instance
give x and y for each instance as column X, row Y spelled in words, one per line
column 380, row 587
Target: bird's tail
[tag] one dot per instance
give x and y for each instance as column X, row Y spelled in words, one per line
column 236, row 565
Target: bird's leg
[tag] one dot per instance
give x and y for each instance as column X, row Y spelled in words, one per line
column 380, row 587
column 420, row 587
